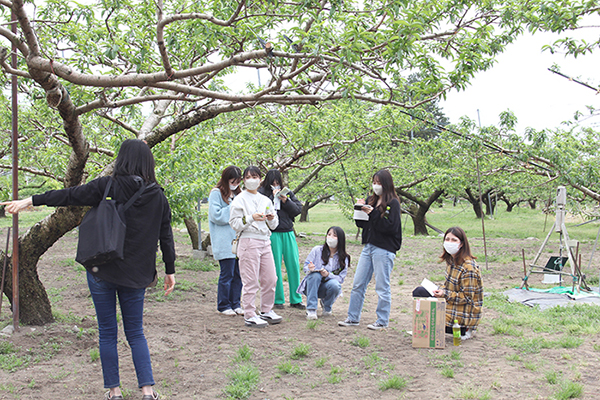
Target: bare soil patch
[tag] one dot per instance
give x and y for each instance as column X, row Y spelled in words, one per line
column 192, row 346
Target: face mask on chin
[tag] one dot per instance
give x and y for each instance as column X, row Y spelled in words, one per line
column 252, row 184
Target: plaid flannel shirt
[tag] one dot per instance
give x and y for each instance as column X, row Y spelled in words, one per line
column 464, row 294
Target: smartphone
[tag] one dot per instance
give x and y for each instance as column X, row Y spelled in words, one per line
column 360, row 206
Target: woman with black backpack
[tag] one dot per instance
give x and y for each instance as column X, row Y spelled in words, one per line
column 148, row 222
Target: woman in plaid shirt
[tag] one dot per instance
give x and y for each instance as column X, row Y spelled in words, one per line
column 463, row 289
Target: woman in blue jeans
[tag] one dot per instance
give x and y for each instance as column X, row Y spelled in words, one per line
column 326, row 268
column 221, row 235
column 382, row 237
column 148, row 222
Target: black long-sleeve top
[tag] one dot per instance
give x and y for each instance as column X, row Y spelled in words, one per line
column 383, row 232
column 148, row 221
column 289, row 210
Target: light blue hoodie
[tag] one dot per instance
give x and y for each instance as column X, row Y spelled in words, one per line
column 221, row 233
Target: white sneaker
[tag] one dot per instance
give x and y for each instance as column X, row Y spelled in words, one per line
column 229, row 312
column 239, row 311
column 469, row 334
column 327, row 313
column 255, row 322
column 311, row 314
column 271, row 317
column 375, row 326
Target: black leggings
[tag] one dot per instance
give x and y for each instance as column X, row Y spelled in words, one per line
column 422, row 292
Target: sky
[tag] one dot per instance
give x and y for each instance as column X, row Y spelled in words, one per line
column 520, row 81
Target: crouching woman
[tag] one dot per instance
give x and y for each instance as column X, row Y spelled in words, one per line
column 326, row 268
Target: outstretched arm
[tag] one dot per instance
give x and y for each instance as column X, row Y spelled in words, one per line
column 15, row 206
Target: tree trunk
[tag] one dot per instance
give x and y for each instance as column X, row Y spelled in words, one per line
column 308, row 205
column 532, row 203
column 418, row 219
column 304, row 212
column 418, row 209
column 475, row 203
column 34, row 305
column 509, row 204
column 2, row 212
column 192, row 228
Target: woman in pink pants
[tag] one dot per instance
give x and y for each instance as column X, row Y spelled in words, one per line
column 251, row 215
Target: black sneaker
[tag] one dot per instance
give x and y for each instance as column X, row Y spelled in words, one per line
column 299, row 306
column 279, row 306
column 348, row 322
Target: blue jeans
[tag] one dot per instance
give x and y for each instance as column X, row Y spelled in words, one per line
column 373, row 260
column 230, row 285
column 317, row 289
column 131, row 301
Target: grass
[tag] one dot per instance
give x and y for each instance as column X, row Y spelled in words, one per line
column 10, row 361
column 320, row 362
column 372, row 360
column 335, row 374
column 579, row 319
column 393, row 382
column 361, row 341
column 313, row 324
column 569, row 390
column 192, row 264
column 243, row 354
column 243, row 379
column 521, row 223
column 287, row 367
column 94, row 355
column 552, row 377
column 300, row 351
column 470, row 392
column 447, row 363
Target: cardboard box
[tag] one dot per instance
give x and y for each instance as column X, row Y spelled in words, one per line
column 429, row 323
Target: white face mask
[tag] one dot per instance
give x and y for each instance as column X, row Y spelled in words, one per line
column 377, row 189
column 275, row 187
column 233, row 187
column 332, row 242
column 451, row 247
column 252, row 184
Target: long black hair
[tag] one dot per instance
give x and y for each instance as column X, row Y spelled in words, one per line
column 388, row 190
column 135, row 158
column 271, row 176
column 341, row 250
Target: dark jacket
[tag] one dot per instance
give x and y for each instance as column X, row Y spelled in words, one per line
column 289, row 210
column 383, row 232
column 148, row 221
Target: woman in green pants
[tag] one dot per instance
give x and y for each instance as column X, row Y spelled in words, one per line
column 283, row 239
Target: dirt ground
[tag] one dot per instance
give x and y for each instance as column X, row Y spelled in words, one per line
column 193, row 347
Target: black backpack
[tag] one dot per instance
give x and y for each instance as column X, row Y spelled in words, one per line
column 102, row 231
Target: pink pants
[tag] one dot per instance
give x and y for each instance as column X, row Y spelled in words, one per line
column 257, row 270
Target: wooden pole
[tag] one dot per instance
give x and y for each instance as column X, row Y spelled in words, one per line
column 15, row 180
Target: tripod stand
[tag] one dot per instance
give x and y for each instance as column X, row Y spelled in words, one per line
column 564, row 244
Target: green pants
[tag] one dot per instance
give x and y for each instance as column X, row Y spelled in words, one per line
column 283, row 244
